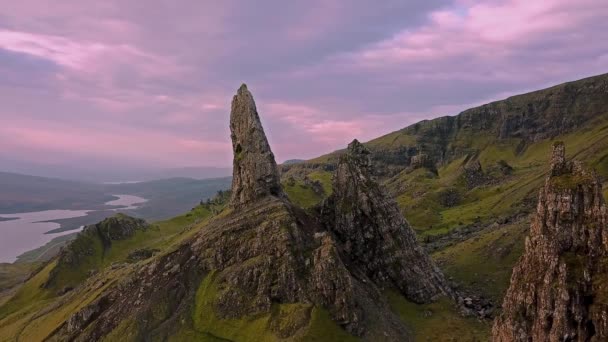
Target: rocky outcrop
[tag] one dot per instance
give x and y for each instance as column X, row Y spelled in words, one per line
column 473, row 174
column 559, row 287
column 255, row 173
column 79, row 251
column 373, row 234
column 264, row 252
column 422, row 160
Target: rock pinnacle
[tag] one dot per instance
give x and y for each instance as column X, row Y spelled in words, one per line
column 255, row 173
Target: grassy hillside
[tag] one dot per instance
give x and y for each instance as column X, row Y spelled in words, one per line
column 19, row 316
column 469, row 208
column 475, row 221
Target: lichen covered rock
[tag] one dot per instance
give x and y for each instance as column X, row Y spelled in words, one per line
column 558, row 289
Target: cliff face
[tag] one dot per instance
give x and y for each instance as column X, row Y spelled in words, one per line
column 374, row 236
column 520, row 120
column 559, row 287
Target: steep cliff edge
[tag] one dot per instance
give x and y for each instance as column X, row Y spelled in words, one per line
column 559, row 287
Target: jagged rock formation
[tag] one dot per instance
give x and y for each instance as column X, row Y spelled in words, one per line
column 559, row 287
column 264, row 252
column 373, row 234
column 255, row 173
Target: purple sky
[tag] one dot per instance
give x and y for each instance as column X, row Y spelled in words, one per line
column 149, row 83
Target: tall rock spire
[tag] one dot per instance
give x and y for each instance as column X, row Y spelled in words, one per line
column 255, row 173
column 559, row 287
column 374, row 235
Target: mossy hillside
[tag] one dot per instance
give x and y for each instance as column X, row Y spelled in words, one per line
column 417, row 195
column 301, row 194
column 324, row 177
column 18, row 312
column 40, row 326
column 97, row 255
column 438, row 321
column 309, row 323
column 13, row 274
column 483, row 263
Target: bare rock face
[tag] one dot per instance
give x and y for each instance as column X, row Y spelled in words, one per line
column 374, row 236
column 255, row 173
column 559, row 287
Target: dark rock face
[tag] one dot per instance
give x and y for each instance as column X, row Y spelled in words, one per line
column 373, row 234
column 559, row 287
column 255, row 173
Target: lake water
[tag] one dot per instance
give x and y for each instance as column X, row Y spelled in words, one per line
column 127, row 202
column 27, row 231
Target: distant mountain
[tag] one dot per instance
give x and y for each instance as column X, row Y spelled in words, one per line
column 166, row 197
column 24, row 193
column 102, row 174
column 195, row 172
column 293, row 161
column 170, row 197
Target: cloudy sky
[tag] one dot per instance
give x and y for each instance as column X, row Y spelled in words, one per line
column 148, row 83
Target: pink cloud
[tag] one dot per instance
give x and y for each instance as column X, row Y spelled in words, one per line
column 155, row 82
column 116, row 142
column 491, row 30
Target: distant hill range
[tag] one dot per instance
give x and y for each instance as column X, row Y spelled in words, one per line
column 166, row 197
column 293, row 161
column 92, row 174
